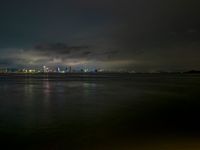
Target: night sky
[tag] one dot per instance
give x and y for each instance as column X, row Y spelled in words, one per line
column 140, row 35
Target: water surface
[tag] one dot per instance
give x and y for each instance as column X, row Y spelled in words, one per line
column 100, row 113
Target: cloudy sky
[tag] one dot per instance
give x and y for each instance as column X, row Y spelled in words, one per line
column 141, row 35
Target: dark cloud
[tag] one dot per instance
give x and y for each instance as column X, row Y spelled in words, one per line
column 62, row 51
column 146, row 34
column 148, row 24
column 111, row 54
column 86, row 53
column 6, row 62
column 10, row 62
column 58, row 48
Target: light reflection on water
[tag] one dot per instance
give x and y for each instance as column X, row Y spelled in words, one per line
column 84, row 113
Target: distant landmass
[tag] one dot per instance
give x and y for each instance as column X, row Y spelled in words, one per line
column 193, row 71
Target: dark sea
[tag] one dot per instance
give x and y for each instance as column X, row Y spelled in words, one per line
column 134, row 112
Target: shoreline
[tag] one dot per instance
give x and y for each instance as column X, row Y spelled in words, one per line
column 68, row 76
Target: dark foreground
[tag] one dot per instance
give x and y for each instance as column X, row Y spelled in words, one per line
column 84, row 112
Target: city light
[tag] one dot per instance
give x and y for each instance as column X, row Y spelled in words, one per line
column 46, row 69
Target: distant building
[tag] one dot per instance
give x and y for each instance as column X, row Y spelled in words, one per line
column 58, row 70
column 66, row 69
column 3, row 70
column 45, row 69
column 70, row 69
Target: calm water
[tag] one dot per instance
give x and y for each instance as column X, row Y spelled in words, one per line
column 101, row 113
